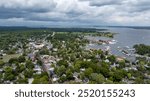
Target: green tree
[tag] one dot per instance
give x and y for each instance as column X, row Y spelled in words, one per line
column 29, row 65
column 62, row 79
column 13, row 60
column 1, row 78
column 122, row 64
column 63, row 62
column 28, row 73
column 139, row 80
column 44, row 52
column 104, row 69
column 129, row 75
column 119, row 75
column 69, row 75
column 142, row 49
column 61, row 70
column 41, row 79
column 77, row 65
column 39, row 62
column 8, row 70
column 88, row 72
column 109, row 82
column 2, row 63
column 21, row 80
column 20, row 68
column 8, row 75
column 112, row 59
column 98, row 78
column 21, row 59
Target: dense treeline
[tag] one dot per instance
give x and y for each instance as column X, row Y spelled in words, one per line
column 63, row 36
column 10, row 37
column 50, row 29
column 142, row 49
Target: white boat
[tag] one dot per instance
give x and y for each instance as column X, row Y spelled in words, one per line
column 118, row 47
column 107, row 48
column 127, row 47
column 91, row 44
column 112, row 42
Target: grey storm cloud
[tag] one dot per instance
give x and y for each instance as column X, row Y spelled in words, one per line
column 28, row 5
column 77, row 11
column 103, row 2
column 22, row 8
column 138, row 5
column 131, row 5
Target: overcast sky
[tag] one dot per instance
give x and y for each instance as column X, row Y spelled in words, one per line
column 74, row 12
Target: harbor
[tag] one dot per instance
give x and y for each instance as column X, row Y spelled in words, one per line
column 122, row 43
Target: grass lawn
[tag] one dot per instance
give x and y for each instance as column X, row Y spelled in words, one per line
column 7, row 57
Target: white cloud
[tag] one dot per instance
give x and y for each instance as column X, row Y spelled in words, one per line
column 111, row 12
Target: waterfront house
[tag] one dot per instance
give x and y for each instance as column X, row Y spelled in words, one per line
column 31, row 56
column 1, row 70
column 119, row 59
column 39, row 45
column 37, row 69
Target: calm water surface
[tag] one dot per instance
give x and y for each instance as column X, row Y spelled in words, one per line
column 126, row 37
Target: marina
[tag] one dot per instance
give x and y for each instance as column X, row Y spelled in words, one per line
column 122, row 43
